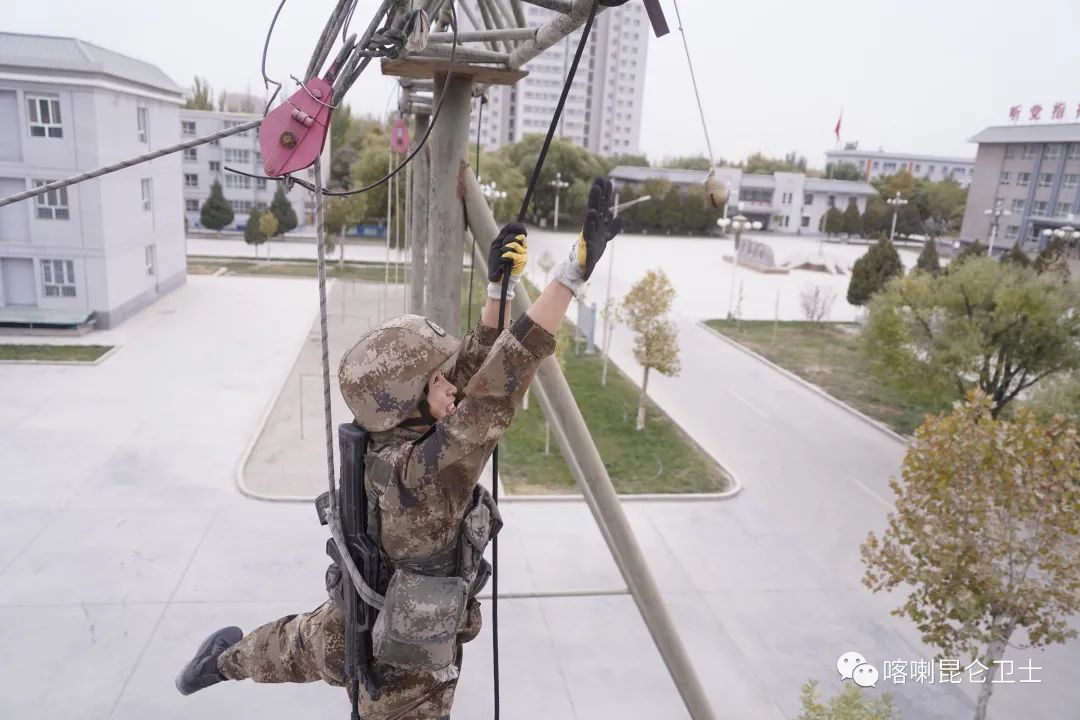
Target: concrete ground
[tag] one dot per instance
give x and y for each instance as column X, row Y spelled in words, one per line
column 123, row 540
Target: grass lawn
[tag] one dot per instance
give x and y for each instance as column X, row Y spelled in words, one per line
column 659, row 459
column 291, row 268
column 829, row 357
column 68, row 353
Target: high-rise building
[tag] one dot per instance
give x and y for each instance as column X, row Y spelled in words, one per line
column 1031, row 175
column 603, row 110
column 93, row 253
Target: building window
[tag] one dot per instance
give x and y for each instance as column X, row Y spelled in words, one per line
column 191, row 154
column 1074, row 151
column 807, row 199
column 237, row 181
column 150, row 269
column 142, row 118
column 1011, row 231
column 832, row 201
column 241, row 206
column 147, row 194
column 805, row 221
column 191, row 180
column 215, row 166
column 918, row 167
column 1039, row 208
column 1062, row 209
column 1004, row 178
column 1029, row 151
column 1046, row 179
column 191, row 205
column 1010, row 152
column 44, row 116
column 876, row 164
column 1023, row 179
column 1017, row 206
column 1053, row 151
column 52, row 205
column 260, row 183
column 237, row 156
column 58, row 278
column 187, row 127
column 1071, row 180
column 930, row 170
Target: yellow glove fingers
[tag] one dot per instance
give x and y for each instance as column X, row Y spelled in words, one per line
column 520, row 239
column 581, row 250
column 516, row 247
column 518, row 259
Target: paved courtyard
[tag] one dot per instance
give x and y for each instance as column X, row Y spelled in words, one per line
column 123, row 540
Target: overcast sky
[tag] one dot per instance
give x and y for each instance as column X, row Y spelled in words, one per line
column 911, row 75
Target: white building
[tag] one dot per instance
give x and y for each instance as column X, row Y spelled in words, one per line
column 604, row 108
column 876, row 163
column 204, row 165
column 98, row 251
column 784, row 202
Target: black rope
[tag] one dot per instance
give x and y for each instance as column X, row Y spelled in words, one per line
column 502, row 314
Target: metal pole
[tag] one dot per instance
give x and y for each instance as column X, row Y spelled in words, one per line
column 892, row 231
column 607, row 299
column 421, row 178
column 588, row 469
column 446, row 235
column 734, row 266
column 389, row 215
column 556, row 206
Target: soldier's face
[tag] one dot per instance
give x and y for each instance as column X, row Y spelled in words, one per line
column 440, row 396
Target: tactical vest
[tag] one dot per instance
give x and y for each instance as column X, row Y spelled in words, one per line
column 423, row 600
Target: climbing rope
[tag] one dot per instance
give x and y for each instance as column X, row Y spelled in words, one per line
column 693, row 80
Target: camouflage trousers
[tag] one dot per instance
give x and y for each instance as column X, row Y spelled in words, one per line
column 310, row 647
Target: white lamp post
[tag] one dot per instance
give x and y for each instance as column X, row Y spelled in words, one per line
column 1067, row 233
column 897, row 202
column 559, row 184
column 738, row 224
column 997, row 211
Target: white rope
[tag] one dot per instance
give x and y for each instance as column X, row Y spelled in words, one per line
column 693, row 79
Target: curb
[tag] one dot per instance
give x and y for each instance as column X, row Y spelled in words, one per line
column 88, row 363
column 238, row 471
column 892, row 434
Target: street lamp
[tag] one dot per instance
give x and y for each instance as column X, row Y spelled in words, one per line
column 559, row 184
column 997, row 211
column 491, row 192
column 608, row 310
column 1068, row 233
column 738, row 224
column 897, row 202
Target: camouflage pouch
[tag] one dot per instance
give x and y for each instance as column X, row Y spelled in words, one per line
column 417, row 628
column 480, row 525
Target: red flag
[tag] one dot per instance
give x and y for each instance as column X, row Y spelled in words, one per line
column 838, row 121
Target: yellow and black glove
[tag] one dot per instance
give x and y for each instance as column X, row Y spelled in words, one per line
column 599, row 228
column 509, row 251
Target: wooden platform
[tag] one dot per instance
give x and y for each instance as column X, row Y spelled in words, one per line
column 428, row 68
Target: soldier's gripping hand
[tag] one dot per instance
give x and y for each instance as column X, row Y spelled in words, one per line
column 509, row 252
column 598, row 229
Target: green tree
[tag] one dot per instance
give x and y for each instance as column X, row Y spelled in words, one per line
column 999, row 328
column 876, row 217
column 872, row 272
column 758, row 163
column 628, row 160
column 282, row 209
column 565, row 157
column 689, row 162
column 216, row 212
column 253, row 234
column 200, row 95
column 832, row 222
column 1016, row 256
column 340, row 214
column 986, row 533
column 928, row 259
column 851, row 703
column 888, row 185
column 267, row 226
column 1058, row 395
column 908, row 221
column 968, row 252
column 1052, row 261
column 844, row 171
column 656, row 345
column 373, row 163
column 852, row 224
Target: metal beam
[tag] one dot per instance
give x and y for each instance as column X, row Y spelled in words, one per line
column 420, row 190
column 563, row 6
column 463, row 54
column 519, row 12
column 446, row 228
column 493, row 13
column 555, row 30
column 524, row 33
column 588, row 468
column 480, row 27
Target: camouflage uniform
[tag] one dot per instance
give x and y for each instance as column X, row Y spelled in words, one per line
column 429, row 487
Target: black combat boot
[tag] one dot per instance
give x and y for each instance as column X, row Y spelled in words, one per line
column 202, row 670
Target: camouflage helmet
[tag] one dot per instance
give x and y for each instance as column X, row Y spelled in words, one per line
column 384, row 375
